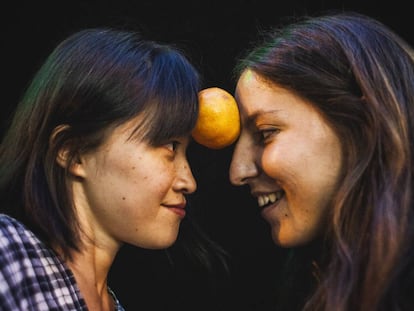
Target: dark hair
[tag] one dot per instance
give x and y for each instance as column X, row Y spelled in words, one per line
column 360, row 76
column 93, row 81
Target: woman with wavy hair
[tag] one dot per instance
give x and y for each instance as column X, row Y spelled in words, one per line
column 327, row 147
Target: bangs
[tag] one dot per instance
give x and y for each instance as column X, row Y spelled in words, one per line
column 172, row 98
column 171, row 119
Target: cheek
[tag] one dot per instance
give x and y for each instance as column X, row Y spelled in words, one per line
column 268, row 162
column 141, row 177
column 158, row 183
column 274, row 160
column 142, row 196
column 155, row 173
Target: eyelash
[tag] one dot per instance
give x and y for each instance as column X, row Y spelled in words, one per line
column 266, row 134
column 173, row 145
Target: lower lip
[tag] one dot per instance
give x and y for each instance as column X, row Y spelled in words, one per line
column 268, row 209
column 179, row 211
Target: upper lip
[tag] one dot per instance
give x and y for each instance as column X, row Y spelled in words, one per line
column 178, row 205
column 257, row 193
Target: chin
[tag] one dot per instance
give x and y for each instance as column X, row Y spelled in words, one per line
column 162, row 243
column 289, row 242
column 284, row 241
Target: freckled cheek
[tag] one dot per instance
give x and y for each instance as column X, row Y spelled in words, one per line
column 161, row 182
column 128, row 181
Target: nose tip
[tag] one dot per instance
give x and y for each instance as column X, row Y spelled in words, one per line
column 243, row 164
column 192, row 184
column 236, row 174
column 187, row 182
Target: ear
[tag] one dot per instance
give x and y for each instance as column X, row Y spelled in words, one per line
column 65, row 157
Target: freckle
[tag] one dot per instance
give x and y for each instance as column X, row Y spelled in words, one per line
column 123, row 198
column 133, row 167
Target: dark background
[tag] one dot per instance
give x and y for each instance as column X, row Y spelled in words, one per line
column 213, row 33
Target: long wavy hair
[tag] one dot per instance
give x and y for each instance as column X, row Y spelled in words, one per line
column 360, row 76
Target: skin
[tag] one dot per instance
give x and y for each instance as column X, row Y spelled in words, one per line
column 126, row 191
column 285, row 147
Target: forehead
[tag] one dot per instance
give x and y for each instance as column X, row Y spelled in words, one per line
column 260, row 99
column 134, row 128
column 249, row 80
column 251, row 84
column 253, row 92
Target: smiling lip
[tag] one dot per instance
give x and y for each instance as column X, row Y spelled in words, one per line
column 268, row 202
column 268, row 207
column 267, row 212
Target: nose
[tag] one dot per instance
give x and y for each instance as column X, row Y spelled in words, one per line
column 185, row 181
column 243, row 163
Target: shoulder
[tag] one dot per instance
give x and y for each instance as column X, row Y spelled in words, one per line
column 14, row 235
column 32, row 275
column 6, row 220
column 18, row 247
column 10, row 228
column 22, row 252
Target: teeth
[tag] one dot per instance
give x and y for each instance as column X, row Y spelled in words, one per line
column 266, row 198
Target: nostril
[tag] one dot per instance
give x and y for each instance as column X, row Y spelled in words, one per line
column 241, row 173
column 237, row 177
column 244, row 165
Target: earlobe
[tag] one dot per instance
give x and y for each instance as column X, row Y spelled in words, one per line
column 64, row 156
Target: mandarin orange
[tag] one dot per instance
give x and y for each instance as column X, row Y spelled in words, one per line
column 218, row 123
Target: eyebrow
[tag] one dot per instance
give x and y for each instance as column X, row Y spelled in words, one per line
column 251, row 119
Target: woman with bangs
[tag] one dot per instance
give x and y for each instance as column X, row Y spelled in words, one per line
column 94, row 158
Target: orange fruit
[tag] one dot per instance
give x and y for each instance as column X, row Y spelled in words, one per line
column 218, row 123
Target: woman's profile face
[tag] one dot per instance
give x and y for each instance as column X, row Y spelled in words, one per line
column 290, row 158
column 130, row 191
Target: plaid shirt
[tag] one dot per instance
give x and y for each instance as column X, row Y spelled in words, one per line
column 32, row 276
